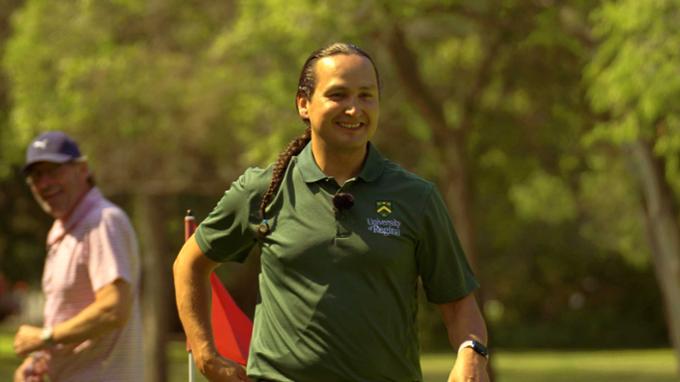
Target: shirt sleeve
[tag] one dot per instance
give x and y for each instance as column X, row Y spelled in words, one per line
column 443, row 268
column 228, row 234
column 113, row 249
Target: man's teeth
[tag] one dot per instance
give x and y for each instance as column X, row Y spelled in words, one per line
column 350, row 125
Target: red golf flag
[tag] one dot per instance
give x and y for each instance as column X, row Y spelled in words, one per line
column 231, row 327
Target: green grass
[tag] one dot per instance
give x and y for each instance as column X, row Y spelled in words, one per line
column 511, row 366
column 8, row 361
column 569, row 366
column 535, row 366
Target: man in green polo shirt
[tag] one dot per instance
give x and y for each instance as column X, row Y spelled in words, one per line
column 344, row 236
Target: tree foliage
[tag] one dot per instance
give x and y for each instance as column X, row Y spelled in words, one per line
column 175, row 98
column 124, row 72
column 634, row 76
column 633, row 81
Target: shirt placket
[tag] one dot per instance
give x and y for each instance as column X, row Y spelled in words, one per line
column 342, row 216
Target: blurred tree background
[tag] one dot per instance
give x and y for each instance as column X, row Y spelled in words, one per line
column 551, row 128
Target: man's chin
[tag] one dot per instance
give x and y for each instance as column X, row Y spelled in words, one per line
column 53, row 211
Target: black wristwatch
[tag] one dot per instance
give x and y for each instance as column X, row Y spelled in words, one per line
column 476, row 346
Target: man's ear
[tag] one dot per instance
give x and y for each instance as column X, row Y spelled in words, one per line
column 302, row 105
column 83, row 169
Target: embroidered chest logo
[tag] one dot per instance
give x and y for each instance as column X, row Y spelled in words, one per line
column 385, row 227
column 383, row 208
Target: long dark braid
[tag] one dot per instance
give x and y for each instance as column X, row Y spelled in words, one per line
column 306, row 87
column 294, row 148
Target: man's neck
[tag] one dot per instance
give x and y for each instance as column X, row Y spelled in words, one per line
column 64, row 219
column 341, row 165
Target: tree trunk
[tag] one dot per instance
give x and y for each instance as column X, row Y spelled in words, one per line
column 448, row 142
column 455, row 185
column 156, row 284
column 663, row 232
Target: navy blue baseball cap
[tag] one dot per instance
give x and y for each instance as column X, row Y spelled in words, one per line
column 53, row 146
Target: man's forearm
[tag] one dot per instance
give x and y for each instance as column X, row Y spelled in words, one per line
column 192, row 289
column 192, row 292
column 463, row 321
column 109, row 311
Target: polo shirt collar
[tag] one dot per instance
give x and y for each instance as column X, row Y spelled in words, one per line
column 373, row 166
column 310, row 171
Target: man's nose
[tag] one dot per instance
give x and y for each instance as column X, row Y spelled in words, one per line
column 352, row 108
column 42, row 180
column 42, row 183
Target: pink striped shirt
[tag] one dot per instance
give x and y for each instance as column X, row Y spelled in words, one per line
column 93, row 248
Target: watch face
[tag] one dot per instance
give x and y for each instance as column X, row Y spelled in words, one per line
column 479, row 348
column 46, row 334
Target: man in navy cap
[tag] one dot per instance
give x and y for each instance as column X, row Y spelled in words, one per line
column 92, row 324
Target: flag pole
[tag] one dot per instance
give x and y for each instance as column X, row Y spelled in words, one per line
column 189, row 228
column 231, row 328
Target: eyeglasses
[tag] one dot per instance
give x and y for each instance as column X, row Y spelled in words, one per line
column 50, row 170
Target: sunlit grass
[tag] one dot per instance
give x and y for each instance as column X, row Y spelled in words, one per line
column 619, row 365
column 656, row 365
column 569, row 366
column 538, row 366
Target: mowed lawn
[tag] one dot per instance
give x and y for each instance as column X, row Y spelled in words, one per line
column 656, row 365
column 511, row 366
column 569, row 366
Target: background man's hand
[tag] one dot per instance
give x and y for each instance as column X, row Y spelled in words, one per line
column 33, row 369
column 27, row 340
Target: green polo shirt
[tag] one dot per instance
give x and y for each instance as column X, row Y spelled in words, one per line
column 338, row 288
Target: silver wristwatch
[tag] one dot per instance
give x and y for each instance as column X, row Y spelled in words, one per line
column 46, row 336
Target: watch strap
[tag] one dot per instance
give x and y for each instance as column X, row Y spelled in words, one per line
column 476, row 346
column 47, row 336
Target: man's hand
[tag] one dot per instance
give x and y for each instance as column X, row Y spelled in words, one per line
column 469, row 367
column 219, row 369
column 33, row 369
column 27, row 340
column 464, row 322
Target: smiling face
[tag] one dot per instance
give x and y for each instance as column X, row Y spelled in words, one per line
column 343, row 109
column 58, row 187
